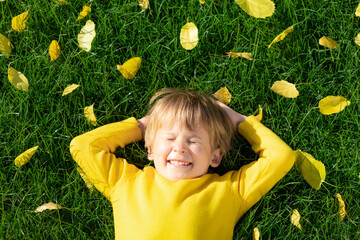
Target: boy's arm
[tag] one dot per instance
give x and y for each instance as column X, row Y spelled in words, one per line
column 276, row 158
column 93, row 151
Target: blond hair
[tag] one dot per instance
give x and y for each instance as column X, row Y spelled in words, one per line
column 190, row 109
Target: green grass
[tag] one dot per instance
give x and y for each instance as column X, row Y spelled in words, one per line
column 43, row 117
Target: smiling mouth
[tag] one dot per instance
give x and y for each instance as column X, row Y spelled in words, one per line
column 179, row 163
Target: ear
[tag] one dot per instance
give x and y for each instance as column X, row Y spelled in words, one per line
column 217, row 157
column 150, row 155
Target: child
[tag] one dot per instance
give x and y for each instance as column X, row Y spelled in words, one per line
column 185, row 134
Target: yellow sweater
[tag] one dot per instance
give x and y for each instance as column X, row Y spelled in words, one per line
column 148, row 206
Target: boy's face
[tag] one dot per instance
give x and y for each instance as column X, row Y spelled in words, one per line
column 179, row 153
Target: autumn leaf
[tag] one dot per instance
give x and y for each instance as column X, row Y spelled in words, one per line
column 357, row 12
column 282, row 35
column 257, row 8
column 86, row 35
column 130, row 67
column 5, row 46
column 357, row 39
column 311, row 169
column 48, row 206
column 89, row 114
column 328, row 42
column 223, row 95
column 64, row 2
column 18, row 23
column 242, row 54
column 295, row 219
column 54, row 50
column 189, row 36
column 202, row 1
column 18, row 80
column 144, row 4
column 342, row 211
column 285, row 89
column 88, row 183
column 256, row 234
column 25, row 157
column 86, row 10
column 260, row 115
column 69, row 89
column 333, row 104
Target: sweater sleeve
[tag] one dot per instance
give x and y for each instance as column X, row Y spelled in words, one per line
column 276, row 158
column 93, row 152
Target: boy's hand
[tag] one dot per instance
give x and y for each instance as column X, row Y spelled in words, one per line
column 142, row 125
column 235, row 117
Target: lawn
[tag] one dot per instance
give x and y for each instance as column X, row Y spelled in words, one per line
column 43, row 117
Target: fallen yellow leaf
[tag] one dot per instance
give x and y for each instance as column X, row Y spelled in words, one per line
column 144, row 4
column 342, row 211
column 54, row 50
column 48, row 206
column 357, row 39
column 202, row 1
column 18, row 80
column 89, row 114
column 282, row 35
column 189, row 36
column 333, row 104
column 5, row 46
column 86, row 35
column 260, row 115
column 328, row 42
column 223, row 95
column 242, row 54
column 257, row 8
column 62, row 2
column 69, row 89
column 86, row 10
column 295, row 219
column 18, row 23
column 285, row 89
column 130, row 67
column 357, row 12
column 88, row 183
column 311, row 169
column 25, row 156
column 256, row 234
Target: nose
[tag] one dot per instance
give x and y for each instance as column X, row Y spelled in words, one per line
column 179, row 147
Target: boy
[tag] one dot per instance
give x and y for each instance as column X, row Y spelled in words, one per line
column 185, row 134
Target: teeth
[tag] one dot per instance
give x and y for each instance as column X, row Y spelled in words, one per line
column 178, row 163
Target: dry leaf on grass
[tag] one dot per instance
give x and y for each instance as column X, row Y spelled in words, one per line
column 89, row 114
column 86, row 35
column 311, row 169
column 223, row 95
column 282, row 35
column 328, row 42
column 86, row 10
column 295, row 219
column 69, row 89
column 242, row 54
column 342, row 211
column 5, row 46
column 256, row 234
column 25, row 157
column 54, row 50
column 130, row 67
column 144, row 4
column 189, row 36
column 18, row 23
column 48, row 206
column 18, row 80
column 257, row 8
column 333, row 104
column 285, row 89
